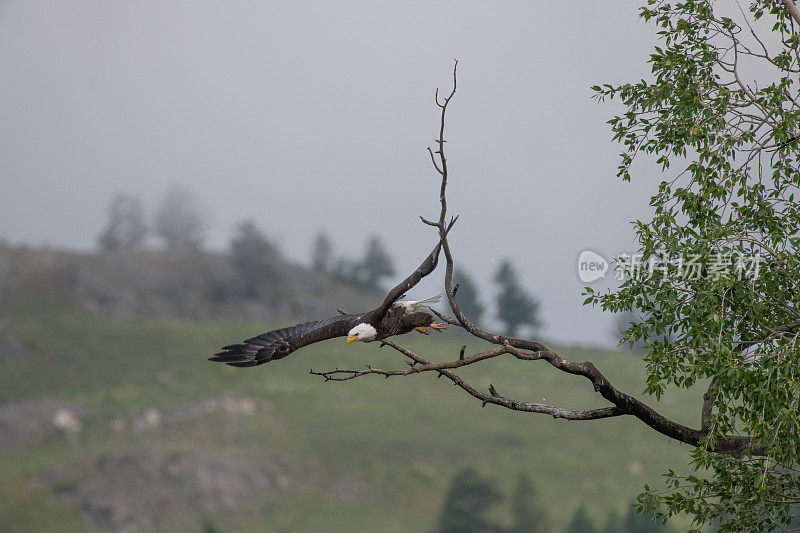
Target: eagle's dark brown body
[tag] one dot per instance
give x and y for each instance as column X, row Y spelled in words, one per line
column 396, row 322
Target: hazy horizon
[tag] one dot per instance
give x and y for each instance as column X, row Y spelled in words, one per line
column 317, row 116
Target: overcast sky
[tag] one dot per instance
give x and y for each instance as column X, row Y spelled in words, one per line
column 316, row 115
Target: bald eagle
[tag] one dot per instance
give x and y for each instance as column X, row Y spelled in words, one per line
column 392, row 317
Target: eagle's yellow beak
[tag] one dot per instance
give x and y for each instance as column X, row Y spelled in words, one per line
column 351, row 338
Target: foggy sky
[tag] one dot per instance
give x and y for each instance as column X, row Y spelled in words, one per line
column 316, row 116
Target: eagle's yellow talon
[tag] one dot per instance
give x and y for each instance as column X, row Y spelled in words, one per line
column 420, row 329
column 438, row 326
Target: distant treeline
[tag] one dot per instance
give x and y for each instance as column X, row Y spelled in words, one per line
column 164, row 284
column 474, row 503
column 516, row 308
column 179, row 225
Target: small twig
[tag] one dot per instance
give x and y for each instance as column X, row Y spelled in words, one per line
column 444, row 318
column 433, row 160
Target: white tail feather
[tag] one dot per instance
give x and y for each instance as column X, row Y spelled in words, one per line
column 412, row 306
column 431, row 300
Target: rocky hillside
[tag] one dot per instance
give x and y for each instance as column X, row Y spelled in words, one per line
column 160, row 284
column 123, row 425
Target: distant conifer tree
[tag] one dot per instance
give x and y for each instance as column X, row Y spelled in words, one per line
column 581, row 522
column 467, row 504
column 468, row 296
column 179, row 222
column 321, row 253
column 126, row 228
column 528, row 516
column 515, row 307
column 254, row 258
column 376, row 264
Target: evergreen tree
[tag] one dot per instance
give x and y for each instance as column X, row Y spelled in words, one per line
column 632, row 522
column 642, row 523
column 376, row 264
column 528, row 516
column 515, row 307
column 613, row 523
column 581, row 522
column 465, row 509
column 179, row 222
column 321, row 252
column 346, row 271
column 209, row 527
column 254, row 258
column 126, row 228
column 468, row 296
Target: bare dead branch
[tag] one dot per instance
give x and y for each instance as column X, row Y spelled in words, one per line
column 529, row 350
column 420, row 365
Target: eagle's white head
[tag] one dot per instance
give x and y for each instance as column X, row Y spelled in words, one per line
column 362, row 333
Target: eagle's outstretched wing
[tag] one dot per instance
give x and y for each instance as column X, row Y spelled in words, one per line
column 279, row 343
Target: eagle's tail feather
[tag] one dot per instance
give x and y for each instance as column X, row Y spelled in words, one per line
column 431, row 300
column 412, row 306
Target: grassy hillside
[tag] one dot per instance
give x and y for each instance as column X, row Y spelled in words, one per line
column 126, row 426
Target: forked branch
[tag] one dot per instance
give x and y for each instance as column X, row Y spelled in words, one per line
column 529, row 350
